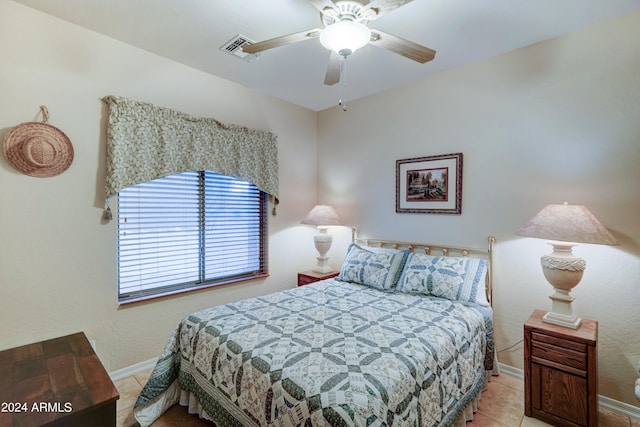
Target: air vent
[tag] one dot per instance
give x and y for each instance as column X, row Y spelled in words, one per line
column 234, row 47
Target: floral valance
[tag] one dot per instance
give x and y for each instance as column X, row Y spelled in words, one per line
column 145, row 142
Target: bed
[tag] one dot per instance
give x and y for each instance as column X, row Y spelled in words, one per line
column 403, row 336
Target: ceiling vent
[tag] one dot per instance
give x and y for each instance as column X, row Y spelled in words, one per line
column 234, row 47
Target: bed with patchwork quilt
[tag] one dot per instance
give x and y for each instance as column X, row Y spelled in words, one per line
column 399, row 338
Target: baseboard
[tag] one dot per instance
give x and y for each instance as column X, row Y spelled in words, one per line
column 133, row 369
column 603, row 401
column 620, row 407
column 510, row 370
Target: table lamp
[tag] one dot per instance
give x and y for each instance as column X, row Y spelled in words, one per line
column 322, row 216
column 564, row 226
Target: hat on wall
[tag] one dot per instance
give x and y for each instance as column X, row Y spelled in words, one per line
column 38, row 149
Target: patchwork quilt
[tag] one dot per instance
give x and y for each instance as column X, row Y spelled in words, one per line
column 330, row 353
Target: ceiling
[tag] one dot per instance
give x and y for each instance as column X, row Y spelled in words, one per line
column 461, row 31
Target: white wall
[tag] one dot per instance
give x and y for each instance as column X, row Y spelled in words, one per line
column 555, row 121
column 552, row 122
column 57, row 260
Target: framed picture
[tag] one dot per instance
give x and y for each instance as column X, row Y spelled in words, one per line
column 430, row 184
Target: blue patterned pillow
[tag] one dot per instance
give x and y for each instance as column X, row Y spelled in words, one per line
column 453, row 278
column 378, row 270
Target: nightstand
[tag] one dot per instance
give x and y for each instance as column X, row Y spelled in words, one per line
column 311, row 276
column 560, row 372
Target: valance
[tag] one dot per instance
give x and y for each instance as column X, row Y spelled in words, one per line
column 146, row 142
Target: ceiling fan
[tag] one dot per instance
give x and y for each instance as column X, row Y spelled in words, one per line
column 345, row 30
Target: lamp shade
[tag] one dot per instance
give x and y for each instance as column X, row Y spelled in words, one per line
column 567, row 223
column 346, row 37
column 322, row 215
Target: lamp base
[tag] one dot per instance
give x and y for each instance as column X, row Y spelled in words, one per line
column 323, row 265
column 322, row 242
column 561, row 313
column 563, row 270
column 572, row 321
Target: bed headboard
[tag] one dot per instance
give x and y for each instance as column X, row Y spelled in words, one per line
column 440, row 250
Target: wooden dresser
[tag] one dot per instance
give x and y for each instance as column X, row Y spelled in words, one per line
column 561, row 372
column 58, row 382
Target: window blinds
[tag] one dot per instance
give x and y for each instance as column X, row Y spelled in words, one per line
column 189, row 230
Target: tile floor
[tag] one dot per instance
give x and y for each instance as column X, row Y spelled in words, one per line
column 502, row 405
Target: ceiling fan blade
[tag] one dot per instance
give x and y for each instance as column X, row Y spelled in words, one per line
column 377, row 8
column 402, row 47
column 326, row 7
column 281, row 41
column 333, row 70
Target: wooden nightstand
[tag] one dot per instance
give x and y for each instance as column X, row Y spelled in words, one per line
column 311, row 276
column 58, row 382
column 561, row 372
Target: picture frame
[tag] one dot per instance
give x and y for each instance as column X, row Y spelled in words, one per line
column 429, row 185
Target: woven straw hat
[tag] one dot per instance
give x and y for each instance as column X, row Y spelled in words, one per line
column 38, row 149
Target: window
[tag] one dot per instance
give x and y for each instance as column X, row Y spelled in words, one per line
column 188, row 231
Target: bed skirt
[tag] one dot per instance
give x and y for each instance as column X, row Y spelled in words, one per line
column 186, row 399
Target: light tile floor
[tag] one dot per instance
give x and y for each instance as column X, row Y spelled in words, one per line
column 502, row 405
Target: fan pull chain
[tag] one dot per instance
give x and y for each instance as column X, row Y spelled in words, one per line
column 343, row 83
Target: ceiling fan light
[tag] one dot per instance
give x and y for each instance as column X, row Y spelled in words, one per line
column 345, row 38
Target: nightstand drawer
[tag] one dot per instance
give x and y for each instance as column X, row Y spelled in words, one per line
column 559, row 357
column 558, row 342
